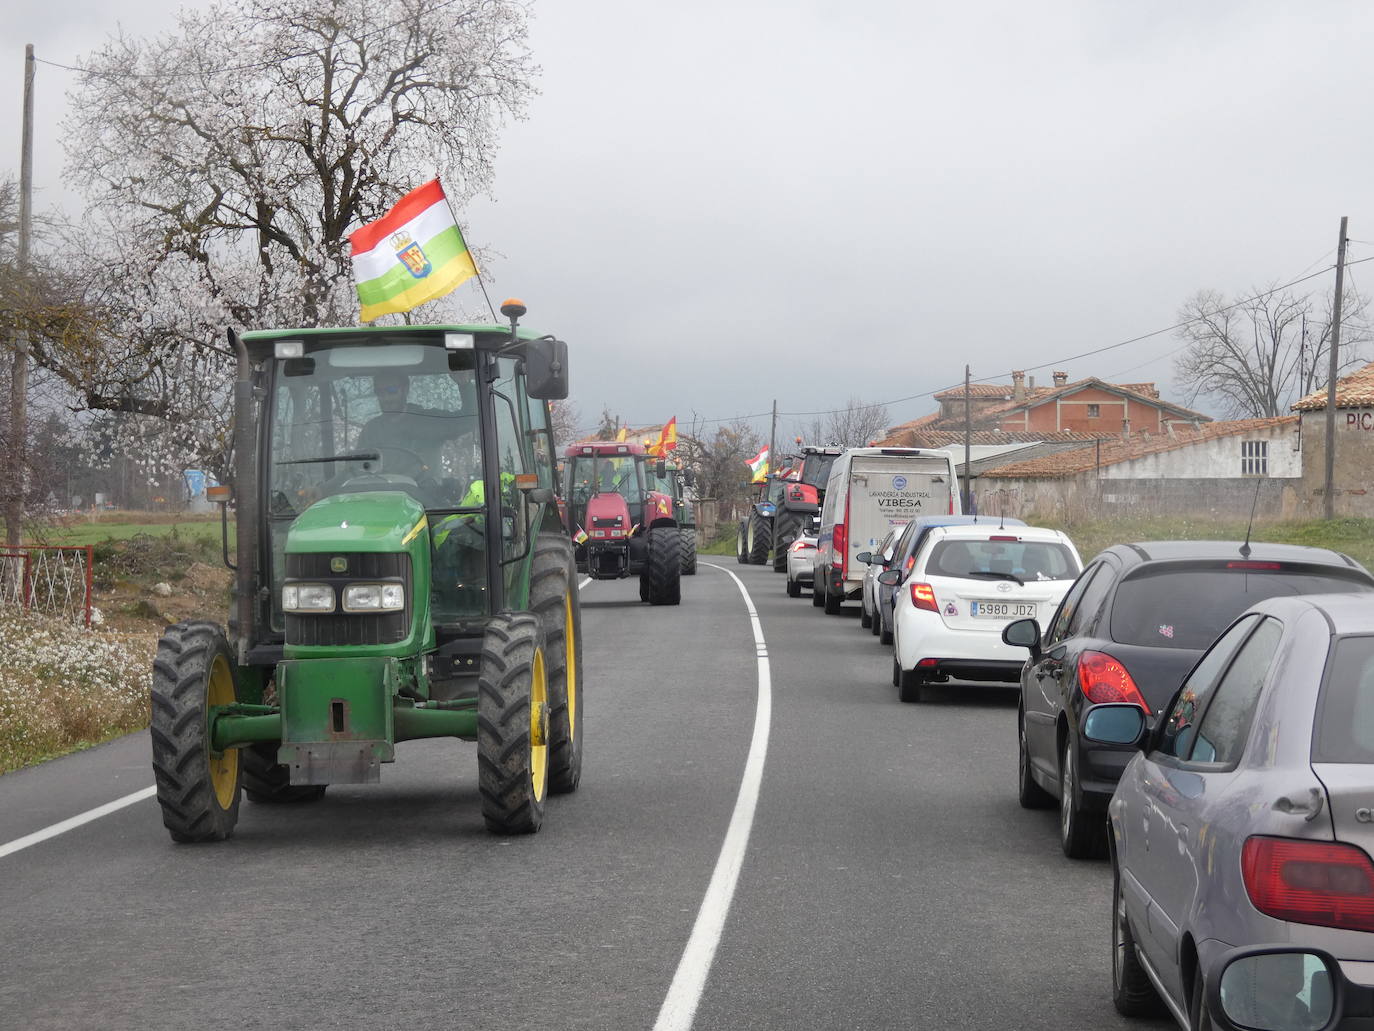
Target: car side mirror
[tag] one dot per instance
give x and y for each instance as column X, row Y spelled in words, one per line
column 1023, row 633
column 890, row 577
column 866, row 557
column 1115, row 724
column 1269, row 988
column 546, row 369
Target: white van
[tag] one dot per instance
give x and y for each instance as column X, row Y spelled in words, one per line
column 871, row 490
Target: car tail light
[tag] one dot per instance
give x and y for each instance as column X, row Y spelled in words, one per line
column 802, row 546
column 923, row 597
column 838, row 545
column 1102, row 678
column 1253, row 565
column 1327, row 883
column 1004, row 538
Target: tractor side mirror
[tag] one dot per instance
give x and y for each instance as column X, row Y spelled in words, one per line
column 546, row 369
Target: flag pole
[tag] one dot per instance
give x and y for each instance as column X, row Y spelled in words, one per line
column 480, row 281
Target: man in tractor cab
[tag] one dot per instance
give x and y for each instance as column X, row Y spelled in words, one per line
column 408, row 436
column 459, row 547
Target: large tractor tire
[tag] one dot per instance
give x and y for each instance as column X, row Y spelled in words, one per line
column 513, row 724
column 267, row 781
column 197, row 790
column 786, row 528
column 741, row 544
column 661, row 579
column 554, row 599
column 760, row 538
column 689, row 551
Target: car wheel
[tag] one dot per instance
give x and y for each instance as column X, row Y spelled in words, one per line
column 1080, row 833
column 1030, row 794
column 793, row 589
column 833, row 603
column 818, row 592
column 1133, row 994
column 1199, row 1016
column 865, row 620
column 875, row 625
column 908, row 682
column 884, row 631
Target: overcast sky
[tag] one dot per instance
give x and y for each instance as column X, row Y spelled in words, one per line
column 730, row 201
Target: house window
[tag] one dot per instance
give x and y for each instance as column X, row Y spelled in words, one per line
column 1254, row 458
column 1093, row 411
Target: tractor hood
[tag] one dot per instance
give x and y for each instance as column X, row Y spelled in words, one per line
column 380, row 520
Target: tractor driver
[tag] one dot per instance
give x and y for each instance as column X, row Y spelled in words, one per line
column 408, row 436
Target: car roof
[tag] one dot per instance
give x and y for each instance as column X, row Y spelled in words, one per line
column 1347, row 613
column 983, row 530
column 1171, row 551
column 962, row 520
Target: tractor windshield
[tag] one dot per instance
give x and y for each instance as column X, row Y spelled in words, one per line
column 590, row 475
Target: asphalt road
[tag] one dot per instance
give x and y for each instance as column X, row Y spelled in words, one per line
column 890, row 878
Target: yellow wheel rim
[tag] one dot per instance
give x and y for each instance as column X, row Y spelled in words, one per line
column 539, row 725
column 570, row 658
column 224, row 770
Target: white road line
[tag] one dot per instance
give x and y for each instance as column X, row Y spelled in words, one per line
column 19, row 844
column 584, row 583
column 689, row 982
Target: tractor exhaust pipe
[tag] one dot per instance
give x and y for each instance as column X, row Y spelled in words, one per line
column 246, row 487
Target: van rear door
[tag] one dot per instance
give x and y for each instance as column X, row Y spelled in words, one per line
column 890, row 490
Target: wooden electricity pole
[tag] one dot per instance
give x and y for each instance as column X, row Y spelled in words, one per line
column 772, row 438
column 1329, row 494
column 19, row 377
column 968, row 440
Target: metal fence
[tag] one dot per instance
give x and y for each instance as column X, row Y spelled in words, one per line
column 45, row 578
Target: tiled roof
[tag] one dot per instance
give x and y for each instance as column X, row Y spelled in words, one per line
column 1353, row 391
column 976, row 390
column 940, row 438
column 1122, row 449
column 1039, row 397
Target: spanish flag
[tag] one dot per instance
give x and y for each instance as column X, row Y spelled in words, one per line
column 667, row 438
column 412, row 254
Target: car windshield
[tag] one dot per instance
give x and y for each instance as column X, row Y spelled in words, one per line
column 1002, row 560
column 1189, row 608
column 1345, row 712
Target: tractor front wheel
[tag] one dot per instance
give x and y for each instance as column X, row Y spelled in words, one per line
column 661, row 578
column 689, row 551
column 554, row 599
column 760, row 538
column 741, row 544
column 513, row 724
column 786, row 529
column 197, row 789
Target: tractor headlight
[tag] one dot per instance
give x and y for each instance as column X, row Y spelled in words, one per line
column 374, row 598
column 307, row 598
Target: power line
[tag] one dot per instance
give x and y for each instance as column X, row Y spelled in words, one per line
column 1057, row 361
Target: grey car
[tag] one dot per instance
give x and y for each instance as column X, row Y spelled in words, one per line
column 1247, row 817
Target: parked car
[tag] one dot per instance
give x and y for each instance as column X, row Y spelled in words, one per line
column 801, row 561
column 1244, row 816
column 903, row 554
column 870, row 490
column 1128, row 630
column 965, row 585
column 877, row 560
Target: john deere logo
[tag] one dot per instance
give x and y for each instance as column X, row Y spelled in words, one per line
column 338, row 564
column 410, row 254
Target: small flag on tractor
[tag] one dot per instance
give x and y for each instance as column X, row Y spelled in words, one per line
column 412, row 254
column 758, row 465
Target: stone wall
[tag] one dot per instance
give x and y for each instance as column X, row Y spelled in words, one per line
column 1086, row 497
column 1354, row 467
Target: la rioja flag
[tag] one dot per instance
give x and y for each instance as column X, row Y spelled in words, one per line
column 412, row 254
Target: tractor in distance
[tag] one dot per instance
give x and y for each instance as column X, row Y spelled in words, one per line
column 401, row 573
column 787, row 503
column 630, row 526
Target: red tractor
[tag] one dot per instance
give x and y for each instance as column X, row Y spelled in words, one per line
column 788, row 502
column 623, row 527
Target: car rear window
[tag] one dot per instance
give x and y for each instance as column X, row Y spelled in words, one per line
column 1345, row 711
column 1189, row 608
column 994, row 559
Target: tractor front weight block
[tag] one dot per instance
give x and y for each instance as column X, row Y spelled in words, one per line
column 337, row 725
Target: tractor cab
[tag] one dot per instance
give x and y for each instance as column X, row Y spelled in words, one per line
column 398, row 546
column 621, row 511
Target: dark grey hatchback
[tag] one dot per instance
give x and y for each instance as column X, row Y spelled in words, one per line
column 1132, row 625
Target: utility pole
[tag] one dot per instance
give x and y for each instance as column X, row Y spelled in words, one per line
column 772, row 438
column 19, row 377
column 1329, row 494
column 968, row 440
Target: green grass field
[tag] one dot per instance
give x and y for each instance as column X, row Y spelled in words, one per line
column 82, row 531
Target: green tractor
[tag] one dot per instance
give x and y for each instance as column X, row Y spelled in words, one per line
column 675, row 482
column 401, row 573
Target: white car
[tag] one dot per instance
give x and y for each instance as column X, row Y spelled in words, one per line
column 966, row 583
column 878, row 560
column 801, row 563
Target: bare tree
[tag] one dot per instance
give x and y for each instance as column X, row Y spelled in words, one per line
column 567, row 421
column 1256, row 357
column 721, row 460
column 858, row 424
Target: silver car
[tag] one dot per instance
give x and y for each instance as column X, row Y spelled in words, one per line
column 1248, row 815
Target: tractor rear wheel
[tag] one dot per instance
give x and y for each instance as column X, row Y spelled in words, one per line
column 513, row 724
column 197, row 789
column 553, row 598
column 760, row 538
column 786, row 527
column 661, row 579
column 689, row 551
column 265, row 780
